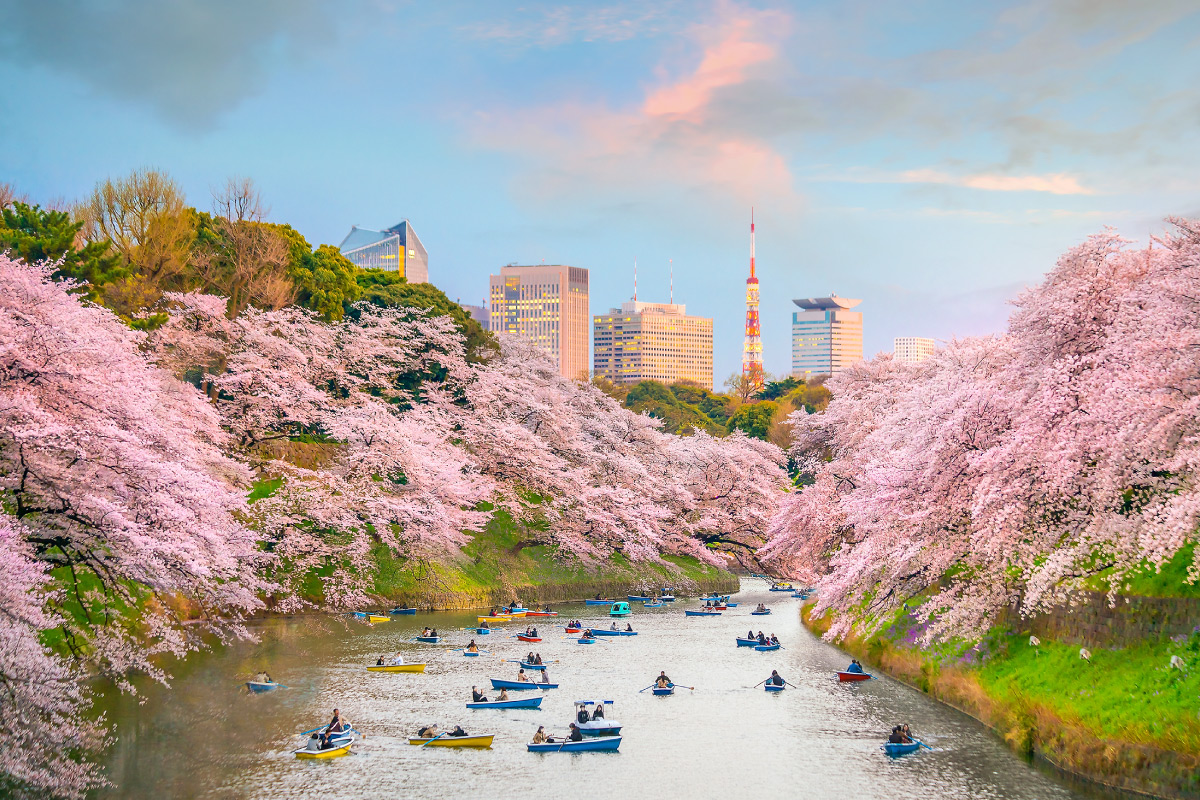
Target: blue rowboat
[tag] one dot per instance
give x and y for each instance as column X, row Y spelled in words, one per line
column 782, row 587
column 587, row 641
column 770, row 687
column 597, row 602
column 469, row 654
column 652, row 605
column 760, row 613
column 600, row 632
column 483, row 631
column 667, row 598
column 664, row 691
column 619, row 609
column 638, row 598
column 532, row 702
column 730, row 605
column 897, row 749
column 259, row 687
column 525, row 665
column 763, row 648
column 428, row 639
column 702, row 613
column 747, row 642
column 520, row 686
column 398, row 610
column 600, row 743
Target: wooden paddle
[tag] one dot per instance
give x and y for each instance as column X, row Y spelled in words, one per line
column 760, row 683
column 789, row 683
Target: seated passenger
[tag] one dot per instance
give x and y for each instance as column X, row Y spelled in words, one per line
column 855, row 667
column 379, row 661
column 545, row 677
column 628, row 627
column 478, row 696
column 540, row 736
column 503, row 696
column 582, row 716
column 599, row 712
column 897, row 736
column 458, row 731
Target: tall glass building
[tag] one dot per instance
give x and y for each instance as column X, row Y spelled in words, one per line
column 827, row 336
column 652, row 341
column 547, row 305
column 912, row 349
column 395, row 249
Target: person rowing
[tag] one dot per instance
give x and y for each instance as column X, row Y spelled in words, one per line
column 662, row 681
column 522, row 677
column 426, row 632
column 761, row 639
column 262, row 677
column 587, row 634
column 614, row 627
column 576, row 735
column 477, row 696
column 776, row 679
column 398, row 659
column 773, row 639
column 899, row 736
column 472, row 647
column 484, row 625
column 335, row 727
column 855, row 667
column 428, row 731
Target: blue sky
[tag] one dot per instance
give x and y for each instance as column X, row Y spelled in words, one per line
column 929, row 158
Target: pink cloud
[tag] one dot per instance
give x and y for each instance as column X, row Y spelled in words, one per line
column 671, row 142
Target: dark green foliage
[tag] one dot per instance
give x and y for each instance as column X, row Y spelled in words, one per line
column 392, row 290
column 34, row 234
column 754, row 419
column 678, row 415
column 774, row 390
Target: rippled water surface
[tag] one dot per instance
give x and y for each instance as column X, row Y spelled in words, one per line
column 204, row 738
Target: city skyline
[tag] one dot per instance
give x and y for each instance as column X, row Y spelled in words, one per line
column 934, row 160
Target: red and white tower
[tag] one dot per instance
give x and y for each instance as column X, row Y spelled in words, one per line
column 752, row 363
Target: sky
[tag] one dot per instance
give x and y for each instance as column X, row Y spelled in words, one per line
column 930, row 158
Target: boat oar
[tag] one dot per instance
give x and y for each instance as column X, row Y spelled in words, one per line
column 760, row 683
column 434, row 739
column 789, row 683
column 651, row 686
column 927, row 747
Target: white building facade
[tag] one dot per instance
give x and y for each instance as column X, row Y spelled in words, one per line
column 912, row 349
column 827, row 337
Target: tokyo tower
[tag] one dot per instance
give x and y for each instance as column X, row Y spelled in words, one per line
column 752, row 363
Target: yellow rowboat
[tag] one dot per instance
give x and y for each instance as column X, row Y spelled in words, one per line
column 371, row 617
column 457, row 741
column 497, row 618
column 332, row 752
column 397, row 668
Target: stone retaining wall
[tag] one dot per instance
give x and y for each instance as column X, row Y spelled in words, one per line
column 1092, row 622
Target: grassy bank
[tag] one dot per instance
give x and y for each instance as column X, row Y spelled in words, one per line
column 1126, row 719
column 501, row 563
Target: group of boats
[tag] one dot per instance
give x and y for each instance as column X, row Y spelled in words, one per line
column 592, row 728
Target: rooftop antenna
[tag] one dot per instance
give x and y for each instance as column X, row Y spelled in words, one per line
column 671, row 262
column 635, row 279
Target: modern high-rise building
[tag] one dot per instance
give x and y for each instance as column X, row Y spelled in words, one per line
column 827, row 336
column 912, row 349
column 546, row 305
column 479, row 313
column 396, row 249
column 652, row 341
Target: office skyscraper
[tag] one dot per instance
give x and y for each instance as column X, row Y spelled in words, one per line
column 546, row 305
column 912, row 349
column 652, row 341
column 827, row 336
column 396, row 249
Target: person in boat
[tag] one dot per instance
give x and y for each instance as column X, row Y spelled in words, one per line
column 906, row 733
column 598, row 713
column 478, row 696
column 379, row 661
column 582, row 715
column 428, row 732
column 492, row 611
column 898, row 736
column 485, row 625
column 761, row 639
column 540, row 736
column 472, row 647
column 776, row 679
column 522, row 677
column 529, row 657
column 749, row 634
column 773, row 639
column 598, row 597
column 576, row 735
column 545, row 676
column 335, row 727
column 398, row 659
column 537, row 659
column 613, row 627
column 628, row 627
column 587, row 634
column 855, row 667
column 458, row 731
column 662, row 681
column 761, row 607
column 534, row 634
column 503, row 696
column 433, row 632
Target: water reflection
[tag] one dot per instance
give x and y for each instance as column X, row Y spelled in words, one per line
column 205, row 738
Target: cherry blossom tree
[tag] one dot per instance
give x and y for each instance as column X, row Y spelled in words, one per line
column 1015, row 466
